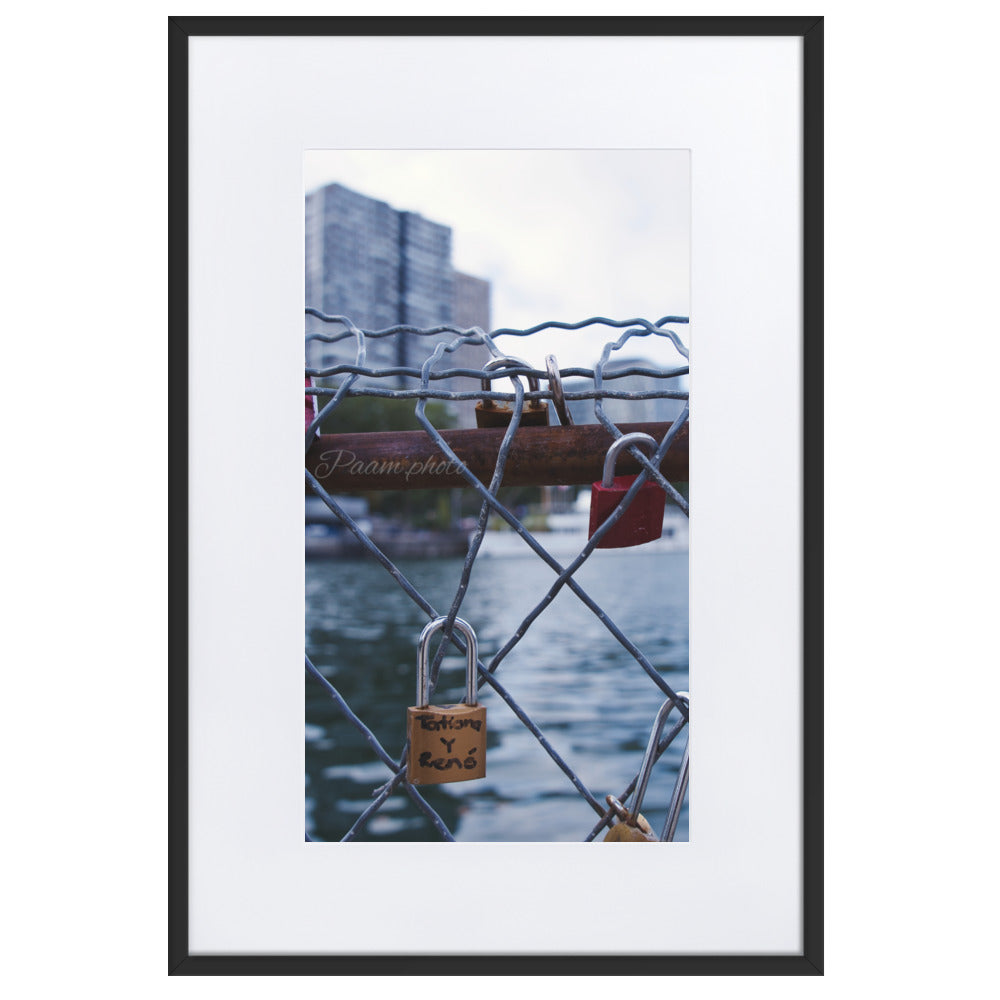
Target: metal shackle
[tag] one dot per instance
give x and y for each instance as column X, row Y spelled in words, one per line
column 555, row 384
column 636, row 437
column 471, row 657
column 647, row 758
column 677, row 799
column 534, row 404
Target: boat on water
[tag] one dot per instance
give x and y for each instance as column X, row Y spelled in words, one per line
column 566, row 533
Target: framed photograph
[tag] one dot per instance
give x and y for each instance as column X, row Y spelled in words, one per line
column 628, row 211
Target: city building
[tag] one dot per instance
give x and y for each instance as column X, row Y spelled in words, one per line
column 383, row 267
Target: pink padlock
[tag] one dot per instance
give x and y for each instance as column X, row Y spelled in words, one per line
column 643, row 521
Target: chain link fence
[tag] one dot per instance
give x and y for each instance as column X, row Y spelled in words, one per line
column 478, row 461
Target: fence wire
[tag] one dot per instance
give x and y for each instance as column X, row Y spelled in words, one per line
column 328, row 398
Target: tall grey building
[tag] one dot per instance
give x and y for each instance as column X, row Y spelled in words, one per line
column 382, row 267
column 472, row 301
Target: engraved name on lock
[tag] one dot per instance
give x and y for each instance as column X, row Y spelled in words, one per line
column 447, row 742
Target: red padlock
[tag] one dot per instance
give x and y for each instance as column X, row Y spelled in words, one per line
column 643, row 521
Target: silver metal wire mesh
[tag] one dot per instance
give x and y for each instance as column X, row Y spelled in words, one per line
column 355, row 379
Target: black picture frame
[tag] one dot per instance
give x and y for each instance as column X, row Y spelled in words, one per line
column 810, row 961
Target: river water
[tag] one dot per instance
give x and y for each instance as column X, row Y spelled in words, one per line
column 591, row 699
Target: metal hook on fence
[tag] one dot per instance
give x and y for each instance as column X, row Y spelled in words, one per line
column 677, row 799
column 680, row 786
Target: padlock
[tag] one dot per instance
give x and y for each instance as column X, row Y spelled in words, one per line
column 491, row 414
column 632, row 828
column 447, row 742
column 643, row 521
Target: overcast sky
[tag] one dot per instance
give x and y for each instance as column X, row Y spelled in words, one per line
column 560, row 234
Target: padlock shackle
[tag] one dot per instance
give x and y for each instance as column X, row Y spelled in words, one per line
column 636, row 437
column 647, row 758
column 617, row 808
column 471, row 657
column 680, row 787
column 555, row 384
column 509, row 362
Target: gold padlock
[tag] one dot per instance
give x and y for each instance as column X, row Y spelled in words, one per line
column 631, row 828
column 491, row 414
column 447, row 742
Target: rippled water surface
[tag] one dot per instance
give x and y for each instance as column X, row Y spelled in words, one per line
column 587, row 694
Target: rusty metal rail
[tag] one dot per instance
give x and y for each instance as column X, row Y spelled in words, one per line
column 539, row 456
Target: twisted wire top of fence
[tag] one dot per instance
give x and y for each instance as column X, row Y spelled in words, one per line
column 345, row 329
